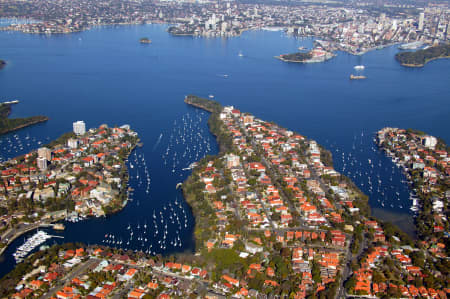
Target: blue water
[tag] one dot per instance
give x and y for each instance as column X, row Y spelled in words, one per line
column 105, row 76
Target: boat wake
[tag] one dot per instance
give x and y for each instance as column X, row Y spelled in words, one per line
column 157, row 142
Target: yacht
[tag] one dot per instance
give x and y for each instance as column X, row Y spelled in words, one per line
column 30, row 244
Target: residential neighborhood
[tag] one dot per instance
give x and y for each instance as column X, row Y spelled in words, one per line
column 424, row 160
column 82, row 174
column 273, row 218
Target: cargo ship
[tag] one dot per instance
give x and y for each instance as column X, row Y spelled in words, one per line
column 353, row 77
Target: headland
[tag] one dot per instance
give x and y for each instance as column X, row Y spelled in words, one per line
column 73, row 177
column 421, row 57
column 8, row 125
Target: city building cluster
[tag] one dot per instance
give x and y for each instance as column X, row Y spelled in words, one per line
column 352, row 28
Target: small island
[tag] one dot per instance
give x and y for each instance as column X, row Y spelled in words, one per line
column 145, row 40
column 295, row 57
column 315, row 55
column 2, row 63
column 8, row 125
column 421, row 57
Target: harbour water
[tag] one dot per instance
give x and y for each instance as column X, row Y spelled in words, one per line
column 106, row 76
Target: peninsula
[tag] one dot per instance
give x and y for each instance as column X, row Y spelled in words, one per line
column 273, row 218
column 8, row 125
column 315, row 55
column 420, row 57
column 80, row 174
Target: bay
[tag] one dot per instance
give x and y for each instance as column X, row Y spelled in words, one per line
column 106, row 76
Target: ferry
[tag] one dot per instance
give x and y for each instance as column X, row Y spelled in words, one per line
column 10, row 102
column 359, row 67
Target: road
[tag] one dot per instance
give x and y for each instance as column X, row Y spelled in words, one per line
column 349, row 259
column 347, row 262
column 71, row 275
column 122, row 293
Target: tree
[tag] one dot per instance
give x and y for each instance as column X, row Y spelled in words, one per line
column 378, row 277
column 316, row 272
column 350, row 283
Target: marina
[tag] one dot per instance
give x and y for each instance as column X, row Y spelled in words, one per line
column 31, row 243
column 381, row 180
